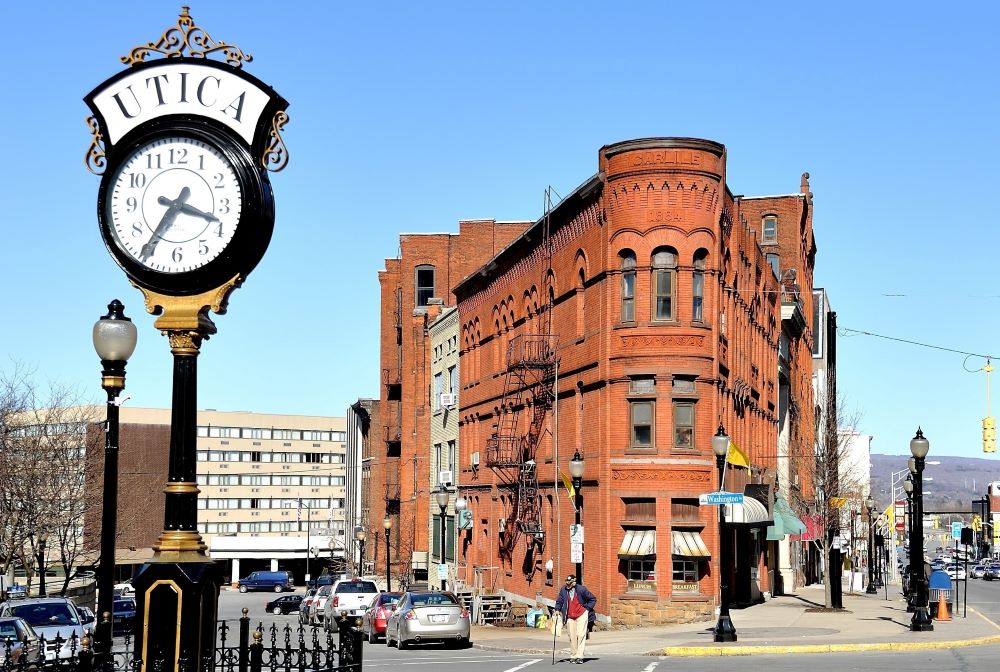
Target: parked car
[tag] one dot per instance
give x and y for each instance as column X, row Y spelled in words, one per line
column 124, row 588
column 122, row 615
column 374, row 620
column 306, row 606
column 351, row 596
column 317, row 608
column 19, row 644
column 428, row 616
column 991, row 573
column 53, row 618
column 276, row 581
column 285, row 604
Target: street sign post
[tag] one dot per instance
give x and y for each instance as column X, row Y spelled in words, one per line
column 720, row 498
column 576, row 534
column 576, row 553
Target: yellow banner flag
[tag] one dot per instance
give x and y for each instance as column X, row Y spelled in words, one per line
column 737, row 456
column 837, row 502
column 568, row 483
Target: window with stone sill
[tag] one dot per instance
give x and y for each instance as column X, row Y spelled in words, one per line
column 664, row 284
column 641, row 414
column 685, row 575
column 684, row 425
column 641, row 575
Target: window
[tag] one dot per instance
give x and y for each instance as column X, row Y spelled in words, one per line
column 451, row 456
column 425, row 284
column 683, row 385
column 438, row 389
column 664, row 272
column 338, row 436
column 683, row 425
column 769, row 230
column 640, row 509
column 449, row 540
column 685, row 574
column 453, row 379
column 628, row 286
column 698, row 286
column 338, row 480
column 641, row 413
column 775, row 262
column 642, row 385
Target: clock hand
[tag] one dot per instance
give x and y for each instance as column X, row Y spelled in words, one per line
column 165, row 223
column 187, row 209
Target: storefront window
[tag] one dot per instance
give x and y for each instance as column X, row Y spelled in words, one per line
column 642, row 575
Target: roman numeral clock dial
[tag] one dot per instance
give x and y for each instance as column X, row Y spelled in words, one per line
column 174, row 204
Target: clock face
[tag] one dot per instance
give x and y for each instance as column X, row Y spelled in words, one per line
column 174, row 204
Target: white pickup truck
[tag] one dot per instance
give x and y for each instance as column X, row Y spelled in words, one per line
column 349, row 595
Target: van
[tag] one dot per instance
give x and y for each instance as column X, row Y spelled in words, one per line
column 276, row 581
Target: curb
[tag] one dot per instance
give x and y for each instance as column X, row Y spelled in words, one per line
column 775, row 649
column 692, row 651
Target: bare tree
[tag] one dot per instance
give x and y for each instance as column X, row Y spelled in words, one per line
column 43, row 450
column 836, row 480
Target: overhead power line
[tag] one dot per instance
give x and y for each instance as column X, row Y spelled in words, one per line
column 845, row 331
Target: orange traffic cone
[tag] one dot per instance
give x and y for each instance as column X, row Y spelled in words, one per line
column 942, row 613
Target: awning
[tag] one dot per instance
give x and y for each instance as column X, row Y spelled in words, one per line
column 776, row 530
column 688, row 545
column 785, row 521
column 750, row 512
column 638, row 543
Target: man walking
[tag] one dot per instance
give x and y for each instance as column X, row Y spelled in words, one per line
column 576, row 604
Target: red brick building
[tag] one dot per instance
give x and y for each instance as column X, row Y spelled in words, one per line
column 640, row 314
column 398, row 466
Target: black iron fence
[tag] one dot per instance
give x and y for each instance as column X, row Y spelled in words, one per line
column 261, row 649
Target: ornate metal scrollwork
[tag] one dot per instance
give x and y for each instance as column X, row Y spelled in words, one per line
column 187, row 39
column 95, row 160
column 276, row 155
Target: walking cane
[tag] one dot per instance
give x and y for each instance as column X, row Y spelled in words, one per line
column 556, row 617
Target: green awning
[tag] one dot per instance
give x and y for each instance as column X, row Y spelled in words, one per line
column 776, row 532
column 789, row 522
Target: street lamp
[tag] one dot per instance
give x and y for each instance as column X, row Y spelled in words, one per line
column 576, row 468
column 870, row 505
column 908, row 489
column 441, row 496
column 387, row 526
column 41, row 564
column 724, row 630
column 114, row 338
column 461, row 504
column 359, row 535
column 921, row 621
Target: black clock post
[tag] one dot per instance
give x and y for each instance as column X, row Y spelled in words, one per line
column 185, row 209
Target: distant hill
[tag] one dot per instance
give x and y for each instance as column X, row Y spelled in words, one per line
column 957, row 480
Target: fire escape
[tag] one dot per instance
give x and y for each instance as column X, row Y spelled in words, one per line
column 511, row 452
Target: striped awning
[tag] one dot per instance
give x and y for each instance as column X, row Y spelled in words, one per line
column 638, row 543
column 688, row 545
column 750, row 512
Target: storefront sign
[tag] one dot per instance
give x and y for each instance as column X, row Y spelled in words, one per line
column 644, row 586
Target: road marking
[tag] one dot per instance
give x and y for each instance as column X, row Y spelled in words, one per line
column 650, row 667
column 523, row 665
column 429, row 661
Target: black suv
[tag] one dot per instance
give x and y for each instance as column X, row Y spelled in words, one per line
column 284, row 605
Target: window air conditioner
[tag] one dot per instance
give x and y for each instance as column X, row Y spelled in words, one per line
column 445, row 477
column 448, row 400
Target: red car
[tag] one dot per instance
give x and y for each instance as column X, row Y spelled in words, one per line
column 376, row 615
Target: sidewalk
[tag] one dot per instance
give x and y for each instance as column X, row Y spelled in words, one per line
column 780, row 625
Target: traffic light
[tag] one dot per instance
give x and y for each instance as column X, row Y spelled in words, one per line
column 977, row 524
column 935, row 521
column 989, row 435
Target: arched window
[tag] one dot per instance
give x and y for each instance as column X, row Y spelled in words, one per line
column 424, row 284
column 769, row 230
column 698, row 286
column 627, row 258
column 664, row 283
column 581, row 301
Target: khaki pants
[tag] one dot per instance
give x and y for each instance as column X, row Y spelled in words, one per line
column 577, row 635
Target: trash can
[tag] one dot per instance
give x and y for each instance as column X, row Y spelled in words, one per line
column 939, row 585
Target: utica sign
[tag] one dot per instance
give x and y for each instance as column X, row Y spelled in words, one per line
column 198, row 88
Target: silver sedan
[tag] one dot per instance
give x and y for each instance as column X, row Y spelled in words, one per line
column 428, row 617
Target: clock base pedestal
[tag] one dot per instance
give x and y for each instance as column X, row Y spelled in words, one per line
column 189, row 313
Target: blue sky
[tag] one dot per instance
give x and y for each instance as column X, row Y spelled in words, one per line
column 412, row 116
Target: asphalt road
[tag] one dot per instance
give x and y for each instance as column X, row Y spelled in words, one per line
column 984, row 596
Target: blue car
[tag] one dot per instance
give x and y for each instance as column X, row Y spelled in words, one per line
column 122, row 615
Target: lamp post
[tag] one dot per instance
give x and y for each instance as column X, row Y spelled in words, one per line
column 387, row 526
column 724, row 630
column 461, row 504
column 441, row 496
column 908, row 489
column 870, row 506
column 576, row 468
column 921, row 621
column 114, row 338
column 359, row 535
column 41, row 564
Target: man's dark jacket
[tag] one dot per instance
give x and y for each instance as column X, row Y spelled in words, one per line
column 587, row 601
